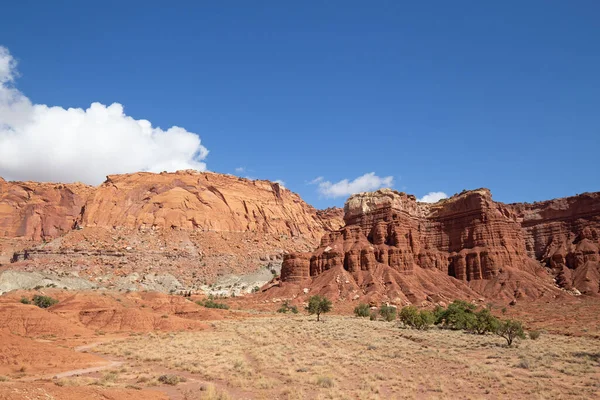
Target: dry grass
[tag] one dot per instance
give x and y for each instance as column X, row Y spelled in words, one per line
column 294, row 357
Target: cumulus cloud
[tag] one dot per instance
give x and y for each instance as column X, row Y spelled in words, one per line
column 281, row 183
column 316, row 180
column 51, row 143
column 433, row 197
column 365, row 183
column 240, row 170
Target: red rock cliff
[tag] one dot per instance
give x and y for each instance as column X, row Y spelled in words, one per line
column 496, row 249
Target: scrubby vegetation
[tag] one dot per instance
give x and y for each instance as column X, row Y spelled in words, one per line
column 387, row 312
column 418, row 319
column 362, row 310
column 43, row 301
column 318, row 305
column 285, row 308
column 511, row 330
column 209, row 303
column 25, row 300
column 462, row 315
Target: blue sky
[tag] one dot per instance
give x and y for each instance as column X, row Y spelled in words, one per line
column 440, row 96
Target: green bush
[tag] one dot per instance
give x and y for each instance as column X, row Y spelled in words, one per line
column 483, row 322
column 459, row 315
column 285, row 307
column 25, row 300
column 255, row 289
column 44, row 301
column 411, row 316
column 209, row 303
column 362, row 310
column 387, row 312
column 373, row 316
column 317, row 305
column 510, row 330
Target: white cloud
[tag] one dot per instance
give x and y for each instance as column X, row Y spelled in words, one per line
column 50, row 143
column 365, row 183
column 240, row 170
column 433, row 197
column 281, row 183
column 316, row 180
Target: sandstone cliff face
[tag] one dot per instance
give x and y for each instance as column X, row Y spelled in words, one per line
column 200, row 201
column 564, row 234
column 494, row 248
column 190, row 225
column 39, row 211
column 186, row 200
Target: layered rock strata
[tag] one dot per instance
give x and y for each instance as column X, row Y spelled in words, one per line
column 468, row 237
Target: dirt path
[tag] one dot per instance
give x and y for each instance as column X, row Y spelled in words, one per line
column 80, row 371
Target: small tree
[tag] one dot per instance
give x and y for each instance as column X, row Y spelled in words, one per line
column 362, row 310
column 387, row 312
column 484, row 322
column 510, row 330
column 459, row 315
column 317, row 305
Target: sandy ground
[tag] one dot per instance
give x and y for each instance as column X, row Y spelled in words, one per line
column 294, row 357
column 60, row 353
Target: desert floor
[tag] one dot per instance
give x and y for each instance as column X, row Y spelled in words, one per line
column 292, row 356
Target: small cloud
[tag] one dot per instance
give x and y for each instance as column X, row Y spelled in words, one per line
column 433, row 197
column 281, row 183
column 367, row 182
column 316, row 180
column 240, row 170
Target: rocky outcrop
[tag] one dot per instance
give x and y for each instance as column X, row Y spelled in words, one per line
column 497, row 249
column 564, row 234
column 194, row 226
column 186, row 200
column 39, row 211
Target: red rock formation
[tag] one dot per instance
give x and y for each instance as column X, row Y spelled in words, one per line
column 494, row 248
column 192, row 225
column 38, row 211
column 564, row 234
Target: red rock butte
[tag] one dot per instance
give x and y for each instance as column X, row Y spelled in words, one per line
column 394, row 247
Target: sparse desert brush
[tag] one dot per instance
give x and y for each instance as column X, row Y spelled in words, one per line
column 387, row 312
column 285, row 307
column 44, row 301
column 25, row 300
column 209, row 303
column 324, row 382
column 418, row 319
column 170, row 379
column 534, row 335
column 362, row 310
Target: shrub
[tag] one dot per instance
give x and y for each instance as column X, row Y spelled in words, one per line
column 387, row 312
column 373, row 316
column 534, row 335
column 255, row 289
column 285, row 307
column 483, row 322
column 317, row 305
column 362, row 310
column 209, row 303
column 459, row 315
column 25, row 300
column 171, row 379
column 510, row 330
column 411, row 316
column 44, row 301
column 325, row 382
